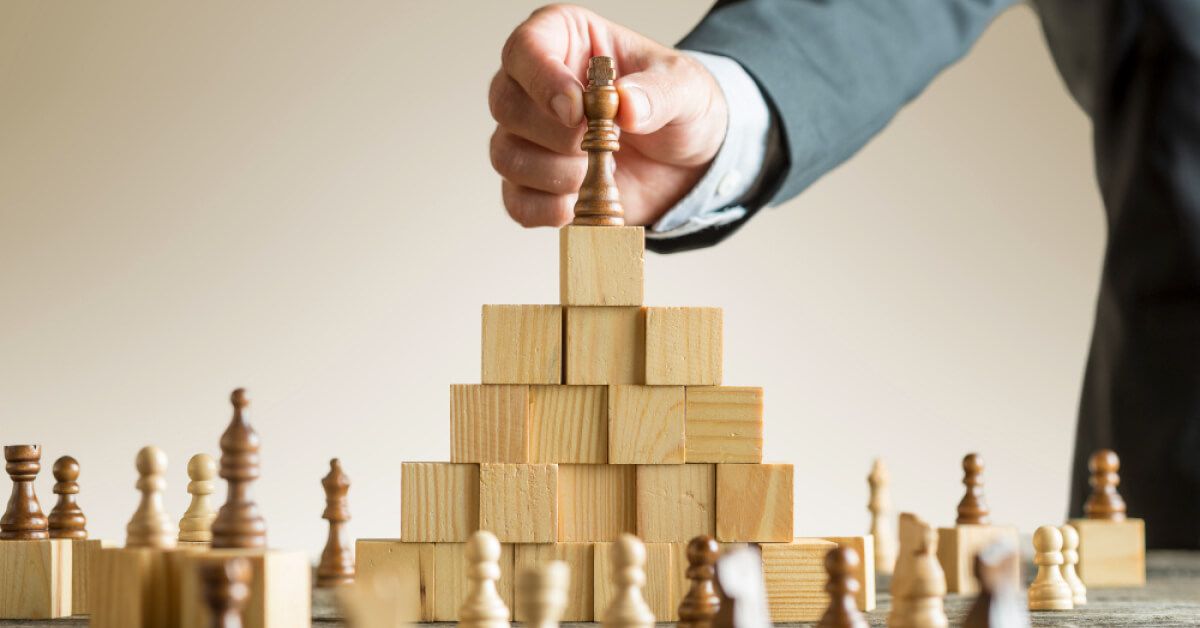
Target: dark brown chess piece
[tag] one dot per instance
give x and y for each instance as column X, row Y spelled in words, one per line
column 23, row 519
column 599, row 203
column 226, row 587
column 842, row 586
column 1105, row 502
column 999, row 604
column 700, row 605
column 239, row 524
column 66, row 518
column 973, row 508
column 337, row 560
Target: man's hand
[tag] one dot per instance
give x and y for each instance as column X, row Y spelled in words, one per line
column 672, row 117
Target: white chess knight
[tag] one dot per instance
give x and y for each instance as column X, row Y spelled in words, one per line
column 1070, row 560
column 482, row 606
column 1049, row 591
column 150, row 525
column 628, row 608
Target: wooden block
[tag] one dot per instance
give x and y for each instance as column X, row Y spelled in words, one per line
column 606, row 345
column 522, row 344
column 659, row 591
column 724, row 424
column 1111, row 553
column 519, row 502
column 676, row 502
column 132, row 588
column 489, row 423
column 35, row 579
column 280, row 590
column 795, row 576
column 683, row 346
column 580, row 588
column 958, row 546
column 83, row 552
column 645, row 425
column 754, row 502
column 865, row 546
column 596, row 502
column 406, row 567
column 568, row 424
column 601, row 266
column 438, row 501
column 449, row 579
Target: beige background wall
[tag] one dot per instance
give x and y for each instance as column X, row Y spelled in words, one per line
column 295, row 197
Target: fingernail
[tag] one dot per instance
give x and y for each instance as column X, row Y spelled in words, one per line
column 637, row 99
column 564, row 107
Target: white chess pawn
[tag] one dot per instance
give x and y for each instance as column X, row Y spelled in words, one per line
column 542, row 594
column 196, row 524
column 628, row 608
column 482, row 607
column 1070, row 559
column 150, row 525
column 1049, row 591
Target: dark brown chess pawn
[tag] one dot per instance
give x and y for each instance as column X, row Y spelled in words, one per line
column 842, row 586
column 226, row 587
column 973, row 508
column 599, row 203
column 1105, row 502
column 239, row 524
column 700, row 605
column 999, row 604
column 337, row 560
column 66, row 518
column 23, row 519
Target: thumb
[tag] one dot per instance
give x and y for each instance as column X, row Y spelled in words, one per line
column 676, row 90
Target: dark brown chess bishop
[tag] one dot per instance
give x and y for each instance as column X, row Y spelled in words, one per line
column 599, row 203
column 23, row 519
column 973, row 508
column 66, row 518
column 337, row 560
column 226, row 587
column 239, row 524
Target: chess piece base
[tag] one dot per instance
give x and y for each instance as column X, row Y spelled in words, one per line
column 958, row 546
column 280, row 591
column 37, row 579
column 1111, row 553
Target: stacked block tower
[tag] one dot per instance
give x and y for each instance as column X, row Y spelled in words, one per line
column 596, row 417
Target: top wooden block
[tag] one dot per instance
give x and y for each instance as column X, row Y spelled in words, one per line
column 601, row 265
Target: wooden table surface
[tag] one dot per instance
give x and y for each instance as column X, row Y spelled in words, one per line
column 1171, row 597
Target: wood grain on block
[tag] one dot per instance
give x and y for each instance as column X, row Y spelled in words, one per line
column 865, row 572
column 449, row 579
column 568, row 424
column 35, row 578
column 683, row 346
column 580, row 588
column 958, row 546
column 659, row 591
column 406, row 567
column 724, row 424
column 439, row 501
column 646, row 425
column 83, row 552
column 676, row 502
column 596, row 502
column 606, row 345
column 130, row 587
column 522, row 344
column 280, row 588
column 601, row 266
column 489, row 423
column 795, row 576
column 754, row 502
column 519, row 502
column 1111, row 553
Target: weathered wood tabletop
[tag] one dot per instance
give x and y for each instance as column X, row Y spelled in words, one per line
column 1171, row 597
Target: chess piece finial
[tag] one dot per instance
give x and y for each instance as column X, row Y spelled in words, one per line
column 23, row 519
column 973, row 508
column 918, row 584
column 226, row 588
column 1070, row 560
column 482, row 606
column 337, row 560
column 628, row 608
column 66, row 518
column 1105, row 502
column 843, row 612
column 150, row 526
column 599, row 203
column 700, row 605
column 196, row 524
column 542, row 596
column 1049, row 591
column 880, row 506
column 239, row 524
column 999, row 603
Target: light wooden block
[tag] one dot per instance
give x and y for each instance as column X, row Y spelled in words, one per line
column 606, row 345
column 280, row 588
column 489, row 423
column 568, row 424
column 646, row 425
column 1111, row 553
column 522, row 344
column 865, row 574
column 519, row 502
column 659, row 591
column 35, row 579
column 438, row 501
column 596, row 502
column 958, row 546
column 683, row 346
column 449, row 579
column 407, row 568
column 132, row 587
column 724, row 424
column 580, row 588
column 754, row 502
column 601, row 265
column 83, row 553
column 795, row 577
column 676, row 502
